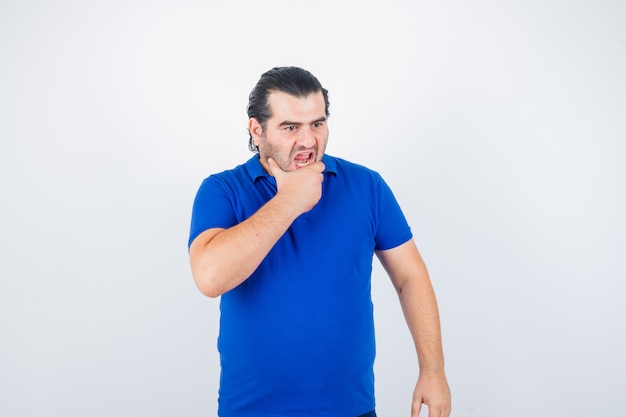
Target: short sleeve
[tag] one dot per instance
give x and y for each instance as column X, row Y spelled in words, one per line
column 212, row 208
column 393, row 228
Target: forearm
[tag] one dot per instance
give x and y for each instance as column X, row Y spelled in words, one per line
column 419, row 305
column 421, row 312
column 222, row 261
column 420, row 308
column 409, row 275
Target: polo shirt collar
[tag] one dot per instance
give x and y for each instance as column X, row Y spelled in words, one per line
column 256, row 170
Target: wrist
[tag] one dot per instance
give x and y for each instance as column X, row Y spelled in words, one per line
column 431, row 370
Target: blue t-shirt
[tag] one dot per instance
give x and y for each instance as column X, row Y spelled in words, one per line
column 297, row 337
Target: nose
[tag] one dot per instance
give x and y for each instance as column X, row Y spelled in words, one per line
column 306, row 137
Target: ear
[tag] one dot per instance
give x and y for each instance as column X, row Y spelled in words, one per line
column 256, row 130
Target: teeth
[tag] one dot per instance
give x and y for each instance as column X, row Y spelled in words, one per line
column 302, row 162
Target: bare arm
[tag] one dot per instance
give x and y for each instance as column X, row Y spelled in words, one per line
column 410, row 278
column 221, row 259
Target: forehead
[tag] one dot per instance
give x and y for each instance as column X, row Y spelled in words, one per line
column 284, row 106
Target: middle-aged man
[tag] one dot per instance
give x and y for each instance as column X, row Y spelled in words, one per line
column 287, row 239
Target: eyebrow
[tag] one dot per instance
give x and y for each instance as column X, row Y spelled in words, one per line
column 288, row 123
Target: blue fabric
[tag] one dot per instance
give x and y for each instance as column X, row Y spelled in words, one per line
column 297, row 337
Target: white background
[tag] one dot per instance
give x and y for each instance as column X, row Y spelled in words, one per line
column 501, row 127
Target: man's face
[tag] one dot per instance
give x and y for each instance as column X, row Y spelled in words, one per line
column 296, row 134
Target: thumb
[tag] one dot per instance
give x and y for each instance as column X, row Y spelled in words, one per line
column 274, row 168
column 416, row 409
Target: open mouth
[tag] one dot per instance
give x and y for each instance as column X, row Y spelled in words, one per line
column 303, row 159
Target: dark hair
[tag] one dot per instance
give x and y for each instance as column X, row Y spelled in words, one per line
column 295, row 81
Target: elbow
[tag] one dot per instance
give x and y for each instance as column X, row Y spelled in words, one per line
column 207, row 278
column 208, row 286
column 213, row 278
column 211, row 292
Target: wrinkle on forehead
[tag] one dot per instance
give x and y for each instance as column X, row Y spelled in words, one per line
column 286, row 109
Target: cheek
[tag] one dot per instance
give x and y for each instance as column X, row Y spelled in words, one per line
column 276, row 151
column 323, row 139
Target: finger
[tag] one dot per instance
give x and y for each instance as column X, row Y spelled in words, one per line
column 318, row 166
column 435, row 411
column 415, row 412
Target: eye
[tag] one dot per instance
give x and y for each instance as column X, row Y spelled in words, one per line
column 318, row 124
column 291, row 128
